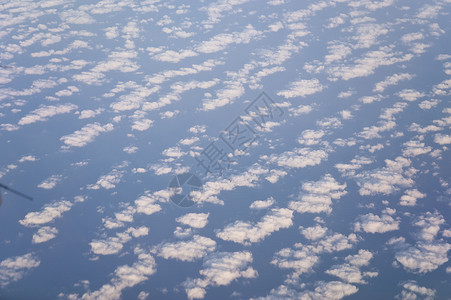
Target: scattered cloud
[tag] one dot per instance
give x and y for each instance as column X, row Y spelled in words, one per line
column 14, row 268
column 247, row 233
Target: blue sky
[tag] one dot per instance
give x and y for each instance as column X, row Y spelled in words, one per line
column 344, row 195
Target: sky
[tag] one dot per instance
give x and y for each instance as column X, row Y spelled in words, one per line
column 225, row 149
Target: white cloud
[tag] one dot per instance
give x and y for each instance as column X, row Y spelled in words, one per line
column 50, row 182
column 385, row 180
column 44, row 234
column 316, row 196
column 48, row 214
column 88, row 113
column 130, row 149
column 314, row 233
column 333, row 290
column 220, row 269
column 247, row 233
column 174, row 56
column 76, row 17
column 410, row 94
column 302, row 257
column 194, row 220
column 275, row 175
column 45, row 112
column 302, row 88
column 311, row 137
column 113, row 245
column 414, row 148
column 217, row 10
column 107, row 181
column 366, row 65
column 27, row 158
column 124, row 277
column 262, row 204
column 428, row 104
column 191, row 250
column 14, row 268
column 442, row 139
column 374, row 224
column 142, row 124
column 391, row 80
column 222, row 40
column 430, row 225
column 86, row 135
column 298, row 158
column 211, row 189
column 423, row 257
column 411, row 290
column 300, row 110
column 410, row 197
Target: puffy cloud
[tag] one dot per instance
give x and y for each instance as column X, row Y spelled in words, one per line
column 261, row 204
column 298, row 158
column 211, row 189
column 191, row 250
column 355, row 164
column 314, row 233
column 76, row 17
column 48, row 214
column 134, row 99
column 221, row 41
column 316, row 196
column 362, row 258
column 194, row 220
column 391, row 80
column 27, row 158
column 415, row 148
column 247, row 233
column 220, row 269
column 430, row 225
column 374, row 224
column 410, row 197
column 442, row 139
column 174, row 56
column 44, row 234
column 217, row 10
column 350, row 273
column 275, row 175
column 50, row 182
column 300, row 260
column 428, row 104
column 45, row 112
column 386, row 180
column 142, row 124
column 124, row 277
column 311, row 137
column 300, row 110
column 333, row 290
column 410, row 94
column 173, row 152
column 113, row 245
column 428, row 253
column 107, row 181
column 14, row 268
column 411, row 290
column 88, row 113
column 423, row 257
column 302, row 88
column 302, row 257
column 130, row 149
column 86, row 135
column 366, row 65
